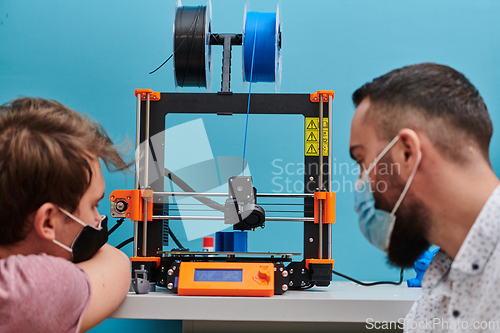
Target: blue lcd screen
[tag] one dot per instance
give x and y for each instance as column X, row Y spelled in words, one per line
column 218, row 275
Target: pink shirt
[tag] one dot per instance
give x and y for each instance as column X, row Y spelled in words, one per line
column 42, row 293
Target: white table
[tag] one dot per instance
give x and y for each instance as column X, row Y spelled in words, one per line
column 342, row 305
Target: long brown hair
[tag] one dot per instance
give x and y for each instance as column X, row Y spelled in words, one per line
column 45, row 150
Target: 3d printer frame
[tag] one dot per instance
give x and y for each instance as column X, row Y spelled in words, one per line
column 148, row 231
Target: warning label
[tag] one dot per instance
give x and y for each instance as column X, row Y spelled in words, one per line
column 312, row 137
column 312, row 123
column 312, row 149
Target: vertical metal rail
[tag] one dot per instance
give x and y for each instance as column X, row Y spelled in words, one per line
column 146, row 175
column 145, row 228
column 320, row 202
column 137, row 167
column 330, row 164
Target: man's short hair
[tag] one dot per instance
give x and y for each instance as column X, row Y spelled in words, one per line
column 45, row 153
column 434, row 99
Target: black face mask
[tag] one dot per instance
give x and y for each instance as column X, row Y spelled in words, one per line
column 88, row 241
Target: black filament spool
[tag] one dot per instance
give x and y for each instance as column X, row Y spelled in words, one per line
column 191, row 36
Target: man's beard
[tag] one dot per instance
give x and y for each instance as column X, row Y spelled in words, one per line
column 409, row 236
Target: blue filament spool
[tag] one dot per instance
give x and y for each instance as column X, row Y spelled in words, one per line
column 260, row 28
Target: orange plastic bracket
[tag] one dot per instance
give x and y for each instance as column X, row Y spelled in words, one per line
column 135, row 202
column 256, row 279
column 319, row 261
column 328, row 206
column 155, row 260
column 153, row 95
column 314, row 97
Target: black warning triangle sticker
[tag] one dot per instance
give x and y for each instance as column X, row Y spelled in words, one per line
column 311, row 150
column 312, row 137
column 312, row 125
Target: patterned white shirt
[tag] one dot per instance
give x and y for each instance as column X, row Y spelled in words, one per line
column 463, row 295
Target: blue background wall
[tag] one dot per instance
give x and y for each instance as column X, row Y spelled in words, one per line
column 91, row 55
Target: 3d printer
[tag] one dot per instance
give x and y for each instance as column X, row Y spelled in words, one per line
column 228, row 272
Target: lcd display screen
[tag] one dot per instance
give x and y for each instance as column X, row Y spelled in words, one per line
column 218, row 275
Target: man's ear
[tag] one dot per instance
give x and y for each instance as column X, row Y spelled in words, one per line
column 45, row 219
column 406, row 151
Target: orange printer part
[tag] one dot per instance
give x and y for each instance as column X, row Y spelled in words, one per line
column 153, row 95
column 314, row 97
column 226, row 279
column 132, row 204
column 328, row 206
column 155, row 260
column 319, row 261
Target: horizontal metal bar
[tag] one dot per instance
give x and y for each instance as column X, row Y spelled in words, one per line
column 187, row 253
column 182, row 210
column 189, row 194
column 285, row 195
column 261, row 195
column 290, row 219
column 221, row 218
column 187, row 218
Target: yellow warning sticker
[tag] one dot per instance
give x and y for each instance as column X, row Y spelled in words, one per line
column 312, row 149
column 312, row 136
column 312, row 123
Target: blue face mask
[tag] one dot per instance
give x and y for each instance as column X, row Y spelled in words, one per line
column 376, row 224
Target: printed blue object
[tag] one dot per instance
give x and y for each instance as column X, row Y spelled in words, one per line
column 231, row 241
column 420, row 267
